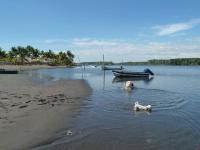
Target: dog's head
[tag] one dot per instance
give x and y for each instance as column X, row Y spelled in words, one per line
column 129, row 84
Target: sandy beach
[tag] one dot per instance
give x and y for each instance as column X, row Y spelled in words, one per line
column 28, row 67
column 32, row 113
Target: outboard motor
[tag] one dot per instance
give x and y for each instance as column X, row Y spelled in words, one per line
column 148, row 71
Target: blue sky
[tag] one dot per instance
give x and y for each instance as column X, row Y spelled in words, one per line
column 128, row 30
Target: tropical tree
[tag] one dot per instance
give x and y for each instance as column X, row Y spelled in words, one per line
column 61, row 58
column 32, row 52
column 70, row 56
column 50, row 54
column 2, row 53
column 20, row 52
column 65, row 58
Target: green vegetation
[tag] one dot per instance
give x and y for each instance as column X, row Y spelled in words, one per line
column 177, row 61
column 31, row 55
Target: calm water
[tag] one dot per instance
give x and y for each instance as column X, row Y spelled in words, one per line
column 107, row 120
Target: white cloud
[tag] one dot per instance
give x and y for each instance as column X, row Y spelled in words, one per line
column 177, row 27
column 93, row 42
column 116, row 50
column 53, row 41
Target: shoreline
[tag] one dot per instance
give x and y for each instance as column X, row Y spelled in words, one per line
column 29, row 67
column 32, row 113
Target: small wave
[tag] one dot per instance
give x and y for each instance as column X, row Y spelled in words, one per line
column 160, row 99
column 118, row 101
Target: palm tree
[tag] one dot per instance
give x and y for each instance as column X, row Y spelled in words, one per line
column 20, row 52
column 2, row 53
column 50, row 54
column 61, row 58
column 70, row 56
column 32, row 52
column 65, row 58
column 13, row 52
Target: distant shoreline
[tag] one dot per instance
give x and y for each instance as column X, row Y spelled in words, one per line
column 171, row 62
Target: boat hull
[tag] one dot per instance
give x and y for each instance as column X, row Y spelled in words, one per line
column 111, row 68
column 124, row 79
column 130, row 74
column 9, row 72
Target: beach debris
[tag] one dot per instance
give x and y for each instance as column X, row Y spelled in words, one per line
column 23, row 106
column 69, row 132
column 129, row 85
column 139, row 107
column 16, row 96
column 62, row 100
column 28, row 101
column 42, row 100
column 13, row 105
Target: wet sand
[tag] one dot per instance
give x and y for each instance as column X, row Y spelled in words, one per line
column 32, row 113
column 28, row 67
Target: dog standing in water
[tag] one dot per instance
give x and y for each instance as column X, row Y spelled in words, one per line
column 129, row 85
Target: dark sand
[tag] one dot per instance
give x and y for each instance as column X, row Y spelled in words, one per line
column 32, row 113
column 28, row 67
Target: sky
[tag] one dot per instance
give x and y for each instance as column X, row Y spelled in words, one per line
column 122, row 30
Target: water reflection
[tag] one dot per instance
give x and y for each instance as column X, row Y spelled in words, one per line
column 39, row 76
column 104, row 79
column 146, row 80
column 141, row 113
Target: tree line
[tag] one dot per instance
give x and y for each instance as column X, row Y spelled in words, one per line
column 31, row 55
column 176, row 61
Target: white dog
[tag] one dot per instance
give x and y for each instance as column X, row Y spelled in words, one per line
column 139, row 107
column 129, row 85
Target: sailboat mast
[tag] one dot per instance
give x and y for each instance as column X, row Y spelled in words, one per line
column 103, row 59
column 103, row 63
